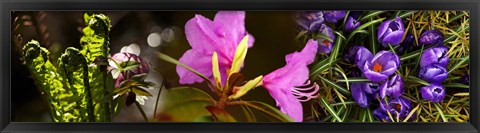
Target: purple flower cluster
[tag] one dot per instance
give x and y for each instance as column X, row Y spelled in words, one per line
column 314, row 21
column 431, row 37
column 433, row 63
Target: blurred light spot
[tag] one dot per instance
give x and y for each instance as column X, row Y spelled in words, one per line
column 156, row 28
column 168, row 35
column 154, row 39
column 134, row 49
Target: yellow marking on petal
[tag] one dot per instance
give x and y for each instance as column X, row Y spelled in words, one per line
column 240, row 91
column 239, row 57
column 216, row 71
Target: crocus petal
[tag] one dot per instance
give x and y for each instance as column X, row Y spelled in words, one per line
column 359, row 95
column 437, row 54
column 391, row 67
column 393, row 38
column 433, row 73
column 372, row 75
column 382, row 29
column 398, row 20
column 199, row 62
column 426, row 93
column 363, row 54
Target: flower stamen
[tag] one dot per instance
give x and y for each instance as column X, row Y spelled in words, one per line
column 307, row 91
column 377, row 67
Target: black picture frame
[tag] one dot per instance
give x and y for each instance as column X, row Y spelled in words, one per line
column 6, row 6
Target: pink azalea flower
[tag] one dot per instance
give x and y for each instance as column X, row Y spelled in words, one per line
column 289, row 85
column 221, row 35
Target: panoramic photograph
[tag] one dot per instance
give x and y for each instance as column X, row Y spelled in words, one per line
column 240, row 66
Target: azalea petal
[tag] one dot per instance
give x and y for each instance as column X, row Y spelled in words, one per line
column 288, row 103
column 201, row 35
column 393, row 38
column 233, row 23
column 199, row 62
column 307, row 55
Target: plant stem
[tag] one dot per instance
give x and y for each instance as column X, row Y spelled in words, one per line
column 106, row 94
column 141, row 111
column 158, row 98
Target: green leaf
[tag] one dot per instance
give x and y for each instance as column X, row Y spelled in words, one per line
column 460, row 63
column 440, row 112
column 335, row 86
column 207, row 118
column 411, row 113
column 330, row 109
column 417, row 80
column 371, row 15
column 129, row 65
column 370, row 117
column 95, row 46
column 140, row 91
column 355, row 80
column 406, row 14
column 321, row 66
column 267, row 109
column 183, row 104
column 336, row 49
column 73, row 66
column 220, row 115
column 373, row 38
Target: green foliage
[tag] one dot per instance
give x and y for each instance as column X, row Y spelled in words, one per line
column 184, row 104
column 78, row 88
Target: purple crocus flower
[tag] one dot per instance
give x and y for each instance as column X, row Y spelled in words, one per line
column 284, row 84
column 325, row 46
column 351, row 24
column 435, row 55
column 333, row 16
column 221, row 35
column 434, row 92
column 434, row 73
column 359, row 94
column 362, row 93
column 351, row 54
column 309, row 20
column 391, row 32
column 399, row 108
column 406, row 43
column 430, row 37
column 382, row 65
column 392, row 87
column 121, row 59
column 361, row 56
